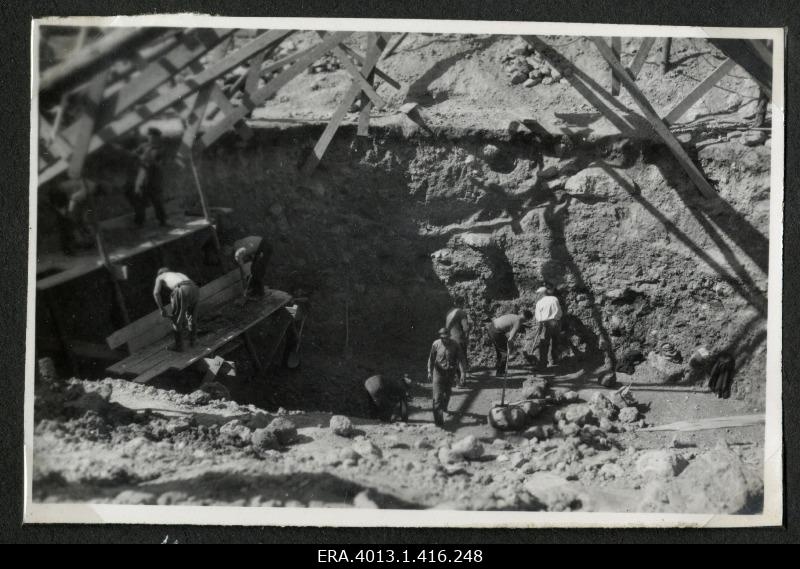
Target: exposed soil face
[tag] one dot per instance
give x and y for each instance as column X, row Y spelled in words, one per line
column 485, row 207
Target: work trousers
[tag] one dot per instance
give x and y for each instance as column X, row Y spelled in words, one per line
column 183, row 303
column 442, row 387
column 147, row 189
column 549, row 331
column 500, row 342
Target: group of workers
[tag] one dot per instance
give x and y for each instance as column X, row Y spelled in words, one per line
column 184, row 294
column 72, row 199
column 448, row 362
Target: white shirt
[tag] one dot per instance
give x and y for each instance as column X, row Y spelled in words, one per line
column 548, row 308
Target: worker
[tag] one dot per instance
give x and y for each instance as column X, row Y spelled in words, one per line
column 458, row 326
column 184, row 296
column 502, row 332
column 256, row 251
column 548, row 317
column 148, row 185
column 445, row 360
column 71, row 199
column 388, row 397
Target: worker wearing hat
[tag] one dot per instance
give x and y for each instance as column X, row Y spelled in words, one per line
column 444, row 362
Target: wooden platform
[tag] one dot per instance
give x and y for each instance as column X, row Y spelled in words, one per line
column 221, row 320
column 123, row 240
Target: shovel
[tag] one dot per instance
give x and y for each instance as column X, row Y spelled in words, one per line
column 497, row 409
column 293, row 362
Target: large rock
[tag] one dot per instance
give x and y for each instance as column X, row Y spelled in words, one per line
column 508, row 418
column 284, row 429
column 264, row 439
column 602, row 407
column 659, row 464
column 595, row 182
column 134, row 497
column 658, row 370
column 628, row 414
column 718, row 482
column 341, row 426
column 532, row 408
column 534, row 388
column 578, row 413
column 555, row 492
column 469, row 447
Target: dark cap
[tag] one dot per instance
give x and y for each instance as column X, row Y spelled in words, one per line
column 443, row 333
column 154, row 131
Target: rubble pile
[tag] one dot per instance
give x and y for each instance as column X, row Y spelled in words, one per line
column 524, row 65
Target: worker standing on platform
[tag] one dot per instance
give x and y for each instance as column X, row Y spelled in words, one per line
column 71, row 200
column 256, row 251
column 184, row 297
column 149, row 183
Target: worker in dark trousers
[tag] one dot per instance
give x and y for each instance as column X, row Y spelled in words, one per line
column 458, row 326
column 548, row 316
column 256, row 251
column 444, row 362
column 387, row 397
column 148, row 185
column 502, row 331
column 184, row 297
column 71, row 200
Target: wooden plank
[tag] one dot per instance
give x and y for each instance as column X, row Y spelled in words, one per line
column 374, row 43
column 254, row 72
column 251, row 101
column 712, row 423
column 748, row 58
column 658, row 125
column 616, row 49
column 193, row 122
column 699, row 91
column 161, row 360
column 762, row 50
column 641, row 56
column 190, row 85
column 227, row 109
column 86, row 123
column 56, row 144
column 211, row 295
column 191, row 47
column 333, row 125
column 362, row 81
column 361, row 59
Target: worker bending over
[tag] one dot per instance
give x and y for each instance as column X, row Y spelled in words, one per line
column 256, row 251
column 502, row 331
column 445, row 359
column 388, row 397
column 184, row 296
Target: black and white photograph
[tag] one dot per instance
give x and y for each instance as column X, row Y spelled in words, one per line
column 338, row 272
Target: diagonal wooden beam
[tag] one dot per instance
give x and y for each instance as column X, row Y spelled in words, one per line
column 361, row 59
column 254, row 72
column 366, row 85
column 336, row 120
column 187, row 53
column 227, row 109
column 748, row 58
column 251, row 101
column 57, row 146
column 86, row 123
column 194, row 121
column 395, row 45
column 616, row 49
column 375, row 45
column 655, row 121
column 190, row 85
column 641, row 57
column 701, row 89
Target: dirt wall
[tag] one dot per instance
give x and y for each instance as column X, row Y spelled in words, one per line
column 390, row 229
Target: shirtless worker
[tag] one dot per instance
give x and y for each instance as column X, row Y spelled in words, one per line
column 256, row 251
column 445, row 359
column 458, row 326
column 502, row 331
column 184, row 296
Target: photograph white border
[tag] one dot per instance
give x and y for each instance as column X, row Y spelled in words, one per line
column 245, row 516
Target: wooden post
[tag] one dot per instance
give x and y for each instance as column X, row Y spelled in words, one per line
column 616, row 49
column 641, row 57
column 207, row 215
column 665, row 55
column 251, row 350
